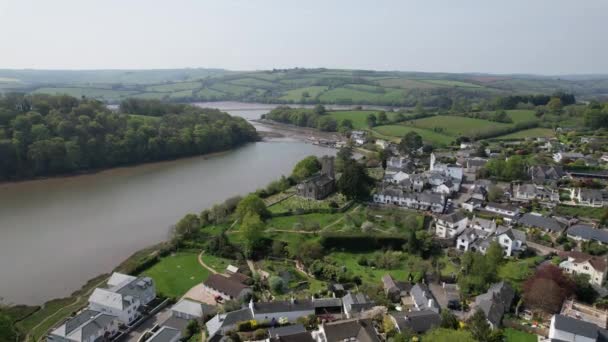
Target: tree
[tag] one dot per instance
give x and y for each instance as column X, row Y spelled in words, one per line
column 187, row 226
column 306, row 168
column 382, row 118
column 277, row 284
column 278, row 248
column 495, row 193
column 547, row 289
column 371, row 120
column 251, row 228
column 555, row 105
column 583, row 289
column 193, row 328
column 480, row 328
column 495, row 254
column 8, row 333
column 319, row 109
column 447, row 335
column 355, row 183
column 252, row 204
column 449, row 320
column 346, row 125
column 327, row 124
column 410, row 143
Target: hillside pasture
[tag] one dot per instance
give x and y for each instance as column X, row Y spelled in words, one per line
column 173, row 87
column 298, row 93
column 405, row 83
column 105, row 94
column 528, row 133
column 358, row 117
column 455, row 125
column 350, row 95
column 396, row 132
column 451, row 83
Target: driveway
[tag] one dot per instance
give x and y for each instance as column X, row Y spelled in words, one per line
column 160, row 317
column 199, row 293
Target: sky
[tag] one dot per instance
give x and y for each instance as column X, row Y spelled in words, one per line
column 549, row 37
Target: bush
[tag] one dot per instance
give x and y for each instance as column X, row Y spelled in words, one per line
column 277, row 284
column 260, row 334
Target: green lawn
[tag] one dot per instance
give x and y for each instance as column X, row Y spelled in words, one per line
column 252, row 82
column 593, row 213
column 372, row 275
column 454, row 125
column 297, row 94
column 181, row 94
column 175, row 274
column 398, row 131
column 306, row 221
column 406, row 83
column 358, row 117
column 517, row 271
column 217, row 263
column 232, row 89
column 210, row 93
column 528, row 133
column 513, row 335
column 296, row 202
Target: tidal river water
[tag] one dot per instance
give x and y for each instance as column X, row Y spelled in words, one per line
column 57, row 233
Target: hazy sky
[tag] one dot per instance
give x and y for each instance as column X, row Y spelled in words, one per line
column 501, row 36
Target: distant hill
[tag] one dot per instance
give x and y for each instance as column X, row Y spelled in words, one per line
column 290, row 86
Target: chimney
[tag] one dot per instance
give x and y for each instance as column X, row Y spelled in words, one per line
column 430, row 304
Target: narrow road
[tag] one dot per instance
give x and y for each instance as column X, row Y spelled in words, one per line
column 200, row 261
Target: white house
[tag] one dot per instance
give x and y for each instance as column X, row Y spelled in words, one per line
column 86, row 326
column 470, row 238
column 279, row 311
column 419, row 201
column 115, row 304
column 382, row 143
column 396, row 178
column 485, row 225
column 123, row 297
column 582, row 263
column 358, row 137
column 508, row 212
column 450, row 225
column 564, row 328
column 563, row 156
column 589, row 197
column 511, row 240
column 529, row 192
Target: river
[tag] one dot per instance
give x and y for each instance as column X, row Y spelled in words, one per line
column 57, row 233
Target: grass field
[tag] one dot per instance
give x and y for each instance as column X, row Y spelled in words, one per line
column 217, row 263
column 107, row 94
column 516, row 271
column 307, row 221
column 252, row 82
column 398, row 131
column 454, row 125
column 354, row 95
column 175, row 274
column 296, row 94
column 522, row 115
column 180, row 94
column 210, row 93
column 231, row 89
column 358, row 117
column 528, row 133
column 405, row 83
column 513, row 335
column 174, row 87
column 449, row 83
column 296, row 202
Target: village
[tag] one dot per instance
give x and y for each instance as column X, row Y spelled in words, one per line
column 478, row 207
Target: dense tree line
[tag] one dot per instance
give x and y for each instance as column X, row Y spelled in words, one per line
column 44, row 135
column 511, row 102
column 596, row 115
column 303, row 117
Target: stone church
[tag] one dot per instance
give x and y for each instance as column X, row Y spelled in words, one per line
column 322, row 184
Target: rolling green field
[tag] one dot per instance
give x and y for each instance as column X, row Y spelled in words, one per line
column 528, row 133
column 521, row 115
column 172, row 87
column 361, row 96
column 450, row 83
column 406, row 83
column 395, row 132
column 358, row 117
column 105, row 94
column 454, row 125
column 297, row 94
column 175, row 274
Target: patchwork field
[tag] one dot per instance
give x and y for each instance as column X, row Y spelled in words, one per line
column 521, row 115
column 297, row 94
column 449, row 83
column 171, row 87
column 396, row 132
column 454, row 125
column 344, row 94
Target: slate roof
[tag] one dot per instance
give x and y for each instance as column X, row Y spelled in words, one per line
column 547, row 223
column 327, row 302
column 283, row 306
column 227, row 319
column 84, row 325
column 577, row 327
column 513, row 234
column 496, row 302
column 286, row 330
column 165, row 334
column 502, row 206
column 226, row 285
column 589, row 233
column 357, row 302
column 360, row 329
column 299, row 337
column 423, row 296
column 454, row 217
column 417, row 321
column 190, row 307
